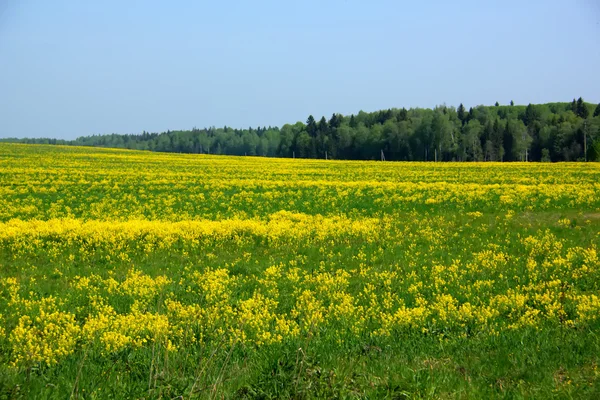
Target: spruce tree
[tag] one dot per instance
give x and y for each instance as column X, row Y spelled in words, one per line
column 507, row 142
column 323, row 127
column 531, row 114
column 311, row 126
column 582, row 110
column 334, row 121
column 470, row 116
column 497, row 141
column 461, row 113
column 352, row 121
column 402, row 115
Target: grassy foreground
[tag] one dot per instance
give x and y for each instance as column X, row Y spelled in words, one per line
column 144, row 275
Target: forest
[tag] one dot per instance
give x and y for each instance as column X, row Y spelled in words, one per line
column 568, row 131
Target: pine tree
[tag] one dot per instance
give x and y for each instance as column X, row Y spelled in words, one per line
column 334, row 122
column 334, row 137
column 352, row 121
column 582, row 110
column 323, row 127
column 497, row 141
column 461, row 113
column 531, row 114
column 311, row 126
column 585, row 112
column 508, row 143
column 597, row 111
column 402, row 115
column 574, row 106
column 470, row 116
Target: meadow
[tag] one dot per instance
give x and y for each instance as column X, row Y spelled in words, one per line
column 128, row 274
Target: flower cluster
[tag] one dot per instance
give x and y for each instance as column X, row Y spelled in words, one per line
column 114, row 252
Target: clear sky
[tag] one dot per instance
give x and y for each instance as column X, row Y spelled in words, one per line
column 73, row 68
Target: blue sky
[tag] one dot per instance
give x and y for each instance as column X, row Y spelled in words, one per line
column 73, row 68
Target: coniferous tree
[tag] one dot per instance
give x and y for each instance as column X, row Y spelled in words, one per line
column 322, row 137
column 353, row 123
column 311, row 126
column 334, row 122
column 487, row 143
column 471, row 115
column 497, row 104
column 582, row 110
column 534, row 133
column 403, row 115
column 531, row 114
column 460, row 111
column 512, row 103
column 322, row 126
column 507, row 142
column 497, row 141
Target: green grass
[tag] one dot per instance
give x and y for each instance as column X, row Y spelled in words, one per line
column 531, row 263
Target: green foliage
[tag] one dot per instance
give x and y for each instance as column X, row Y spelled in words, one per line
column 311, row 126
column 582, row 110
column 504, row 133
column 545, row 155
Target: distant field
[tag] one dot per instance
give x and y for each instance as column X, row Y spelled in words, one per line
column 144, row 275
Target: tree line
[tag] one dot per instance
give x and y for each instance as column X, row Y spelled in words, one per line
column 537, row 132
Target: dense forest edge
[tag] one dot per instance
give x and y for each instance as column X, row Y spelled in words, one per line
column 536, row 132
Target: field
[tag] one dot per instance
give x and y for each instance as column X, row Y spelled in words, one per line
column 143, row 275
